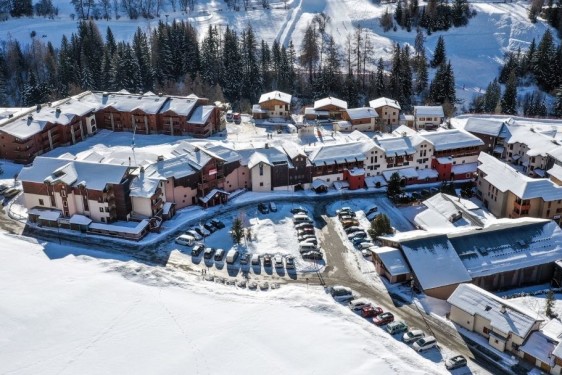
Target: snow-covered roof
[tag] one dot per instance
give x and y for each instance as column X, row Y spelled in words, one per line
column 276, row 95
column 464, row 168
column 176, row 167
column 488, row 126
column 396, row 146
column 360, row 113
column 555, row 171
column 45, row 214
column 356, row 172
column 80, row 220
column 503, row 316
column 434, row 261
column 330, row 101
column 507, row 246
column 293, row 150
column 26, row 124
column 337, row 153
column 451, row 139
column 94, row 176
column 125, row 102
column 143, row 186
column 312, row 111
column 393, row 260
column 201, row 114
column 210, row 195
column 536, row 142
column 319, row 183
column 381, row 102
column 179, row 106
column 270, row 156
column 425, row 110
column 539, row 346
column 407, row 173
column 403, row 130
column 125, row 227
column 504, row 177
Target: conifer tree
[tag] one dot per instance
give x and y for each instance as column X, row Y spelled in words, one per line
column 439, row 55
column 231, row 57
column 509, row 98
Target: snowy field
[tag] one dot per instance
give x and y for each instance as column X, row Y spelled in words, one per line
column 476, row 51
column 74, row 311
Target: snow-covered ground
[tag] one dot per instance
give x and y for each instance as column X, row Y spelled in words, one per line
column 74, row 311
column 476, row 51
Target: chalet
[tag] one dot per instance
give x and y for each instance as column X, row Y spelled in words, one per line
column 508, row 193
column 455, row 153
column 330, row 161
column 428, row 117
column 175, row 113
column 269, row 168
column 491, row 131
column 505, row 325
column 361, row 119
column 388, row 111
column 275, row 104
column 335, row 107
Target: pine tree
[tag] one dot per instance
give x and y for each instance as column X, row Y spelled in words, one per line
column 265, row 65
column 394, row 187
column 310, row 52
column 251, row 78
column 210, row 58
column 543, row 62
column 492, row 97
column 232, row 78
column 237, row 230
column 350, row 93
column 439, row 55
column 142, row 55
column 442, row 88
column 549, row 304
column 509, row 98
column 380, row 226
column 405, row 77
column 421, row 74
column 380, row 86
column 557, row 110
column 21, row 8
column 126, row 70
column 419, row 42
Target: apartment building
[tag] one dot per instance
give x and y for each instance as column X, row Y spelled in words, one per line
column 428, row 117
column 275, row 104
column 388, row 111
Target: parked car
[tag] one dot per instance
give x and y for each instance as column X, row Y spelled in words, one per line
column 185, row 239
column 413, row 336
column 217, row 223
column 272, row 207
column 267, row 260
column 358, row 234
column 3, row 188
column 301, row 218
column 307, row 230
column 193, row 233
column 11, row 192
column 344, row 209
column 290, row 262
column 349, row 223
column 231, row 256
column 365, row 244
column 384, row 318
column 278, row 260
column 455, row 362
column 312, row 255
column 358, row 304
column 367, row 253
column 219, row 255
column 371, row 210
column 311, row 240
column 306, row 236
column 208, row 252
column 352, row 229
column 299, row 210
column 370, row 311
column 237, row 118
column 341, row 293
column 307, row 246
column 256, row 260
column 304, row 225
column 229, row 116
column 425, row 344
column 244, row 258
column 202, row 231
column 197, row 250
column 263, row 208
column 396, row 327
column 210, row 227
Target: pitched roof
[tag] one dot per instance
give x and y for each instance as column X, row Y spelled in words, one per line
column 393, row 260
column 504, row 177
column 488, row 126
column 504, row 316
column 180, row 106
column 330, row 101
column 276, row 95
column 337, row 153
column 381, row 102
column 396, row 146
column 94, row 176
column 360, row 113
column 451, row 139
column 555, row 171
column 427, row 110
column 201, row 114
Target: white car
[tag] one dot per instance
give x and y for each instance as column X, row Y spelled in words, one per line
column 358, row 304
column 341, row 293
column 425, row 344
column 194, row 234
column 412, row 336
column 185, row 239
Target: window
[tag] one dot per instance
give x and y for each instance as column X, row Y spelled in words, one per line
column 107, row 209
column 261, row 183
column 261, row 169
column 103, row 219
column 101, row 209
column 63, row 193
column 485, row 330
column 41, row 203
column 64, row 203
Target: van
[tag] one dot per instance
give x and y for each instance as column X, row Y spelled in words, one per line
column 396, row 327
column 231, row 256
column 425, row 343
column 185, row 240
column 307, row 246
column 229, row 115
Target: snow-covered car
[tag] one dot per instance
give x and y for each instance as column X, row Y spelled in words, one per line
column 352, row 229
column 194, row 234
column 272, row 207
column 341, row 293
column 278, row 261
column 231, row 256
column 312, row 255
column 219, row 255
column 256, row 260
column 344, row 210
column 371, row 210
column 290, row 262
column 304, row 237
column 210, row 227
column 311, row 240
column 384, row 318
column 3, row 188
column 185, row 240
column 197, row 250
column 412, row 335
column 455, row 362
column 263, row 208
column 304, row 225
column 244, row 258
column 217, row 223
column 303, row 231
column 202, row 231
column 11, row 192
column 358, row 304
column 358, row 234
column 208, row 252
column 267, row 260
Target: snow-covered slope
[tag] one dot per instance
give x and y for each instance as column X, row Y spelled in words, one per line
column 476, row 51
column 63, row 312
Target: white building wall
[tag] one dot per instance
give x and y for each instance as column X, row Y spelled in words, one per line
column 142, row 206
column 95, row 213
column 263, row 182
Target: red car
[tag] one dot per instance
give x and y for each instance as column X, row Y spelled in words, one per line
column 383, row 319
column 370, row 311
